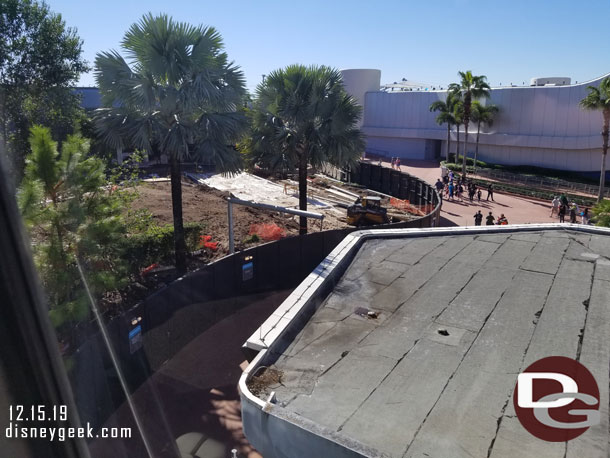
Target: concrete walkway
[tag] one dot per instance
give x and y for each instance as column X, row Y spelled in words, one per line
column 518, row 210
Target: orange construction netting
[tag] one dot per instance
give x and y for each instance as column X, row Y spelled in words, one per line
column 405, row 206
column 267, row 231
column 205, row 241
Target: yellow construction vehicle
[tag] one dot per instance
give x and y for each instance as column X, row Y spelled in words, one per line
column 367, row 211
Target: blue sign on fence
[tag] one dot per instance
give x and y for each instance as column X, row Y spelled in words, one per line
column 247, row 271
column 135, row 339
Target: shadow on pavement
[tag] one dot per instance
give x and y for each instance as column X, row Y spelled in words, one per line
column 194, row 392
column 444, row 222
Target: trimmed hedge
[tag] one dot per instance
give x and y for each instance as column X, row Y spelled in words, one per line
column 551, row 174
column 469, row 162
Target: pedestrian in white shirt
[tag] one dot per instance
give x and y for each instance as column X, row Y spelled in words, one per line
column 555, row 206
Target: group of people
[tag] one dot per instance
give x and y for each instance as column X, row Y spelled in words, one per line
column 452, row 186
column 490, row 219
column 396, row 163
column 561, row 207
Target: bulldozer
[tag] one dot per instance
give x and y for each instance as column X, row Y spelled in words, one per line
column 367, row 211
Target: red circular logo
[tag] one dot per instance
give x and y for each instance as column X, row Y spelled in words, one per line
column 556, row 399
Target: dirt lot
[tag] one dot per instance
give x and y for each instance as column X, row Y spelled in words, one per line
column 208, row 206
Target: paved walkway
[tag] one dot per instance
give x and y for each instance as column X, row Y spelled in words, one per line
column 518, row 210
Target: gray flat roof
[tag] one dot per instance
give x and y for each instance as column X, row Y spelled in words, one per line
column 455, row 319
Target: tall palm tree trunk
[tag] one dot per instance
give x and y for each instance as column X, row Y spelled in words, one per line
column 476, row 148
column 602, row 178
column 465, row 152
column 303, row 192
column 448, row 142
column 179, row 242
column 457, row 146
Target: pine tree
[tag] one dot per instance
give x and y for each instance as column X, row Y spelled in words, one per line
column 75, row 218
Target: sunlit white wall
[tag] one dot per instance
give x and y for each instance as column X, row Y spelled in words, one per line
column 542, row 126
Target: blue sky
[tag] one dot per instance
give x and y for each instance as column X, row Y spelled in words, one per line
column 426, row 41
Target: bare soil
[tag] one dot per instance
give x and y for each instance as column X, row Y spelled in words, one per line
column 208, row 206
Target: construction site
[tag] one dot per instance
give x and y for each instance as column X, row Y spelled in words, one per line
column 205, row 200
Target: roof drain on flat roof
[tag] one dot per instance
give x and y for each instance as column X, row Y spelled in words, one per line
column 443, row 332
column 366, row 313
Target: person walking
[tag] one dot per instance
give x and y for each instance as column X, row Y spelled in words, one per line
column 573, row 213
column 392, row 162
column 489, row 219
column 398, row 164
column 555, row 206
column 490, row 192
column 479, row 194
column 451, row 190
column 471, row 190
column 439, row 187
column 585, row 216
column 460, row 191
column 478, row 218
column 562, row 213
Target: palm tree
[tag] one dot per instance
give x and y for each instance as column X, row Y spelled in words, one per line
column 482, row 114
column 445, row 116
column 177, row 93
column 458, row 115
column 471, row 87
column 598, row 98
column 303, row 116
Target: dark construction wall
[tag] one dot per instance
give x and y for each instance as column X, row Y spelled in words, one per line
column 172, row 317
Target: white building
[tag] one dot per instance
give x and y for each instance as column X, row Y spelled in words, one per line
column 541, row 125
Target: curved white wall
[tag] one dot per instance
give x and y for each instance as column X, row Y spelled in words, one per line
column 542, row 126
column 358, row 82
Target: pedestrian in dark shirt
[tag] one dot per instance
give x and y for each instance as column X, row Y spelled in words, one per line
column 478, row 218
column 489, row 220
column 479, row 195
column 439, row 188
column 460, row 191
column 573, row 214
column 562, row 213
column 490, row 192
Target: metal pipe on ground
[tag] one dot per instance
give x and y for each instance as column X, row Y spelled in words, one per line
column 292, row 211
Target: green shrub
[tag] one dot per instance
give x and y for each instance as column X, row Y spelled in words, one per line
column 469, row 162
column 601, row 213
column 156, row 244
column 252, row 239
